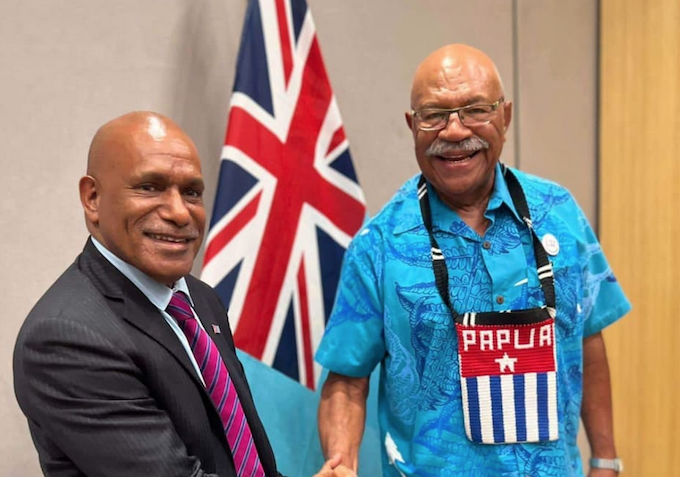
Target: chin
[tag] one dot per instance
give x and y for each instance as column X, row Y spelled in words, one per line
column 170, row 281
column 168, row 275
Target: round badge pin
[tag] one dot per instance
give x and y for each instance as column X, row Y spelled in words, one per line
column 550, row 244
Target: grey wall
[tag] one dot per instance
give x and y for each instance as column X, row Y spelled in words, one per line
column 67, row 66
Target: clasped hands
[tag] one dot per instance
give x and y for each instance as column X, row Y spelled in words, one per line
column 333, row 468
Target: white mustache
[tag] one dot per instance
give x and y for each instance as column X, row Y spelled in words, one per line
column 440, row 147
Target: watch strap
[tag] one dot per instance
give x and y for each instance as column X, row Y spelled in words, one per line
column 612, row 464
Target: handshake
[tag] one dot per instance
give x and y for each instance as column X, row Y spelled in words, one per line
column 334, row 468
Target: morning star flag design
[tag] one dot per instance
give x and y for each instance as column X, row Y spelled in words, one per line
column 508, row 381
column 288, row 201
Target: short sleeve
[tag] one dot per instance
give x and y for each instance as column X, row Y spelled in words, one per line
column 353, row 343
column 603, row 299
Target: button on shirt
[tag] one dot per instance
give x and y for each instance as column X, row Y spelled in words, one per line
column 158, row 294
column 388, row 311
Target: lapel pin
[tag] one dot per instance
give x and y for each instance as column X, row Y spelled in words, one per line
column 216, row 329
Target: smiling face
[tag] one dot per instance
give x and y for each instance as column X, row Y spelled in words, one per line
column 459, row 161
column 143, row 195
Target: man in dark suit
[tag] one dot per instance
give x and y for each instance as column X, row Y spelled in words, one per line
column 126, row 366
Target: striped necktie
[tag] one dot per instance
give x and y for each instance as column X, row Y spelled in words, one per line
column 220, row 387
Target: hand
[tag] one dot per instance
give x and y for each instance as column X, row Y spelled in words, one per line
column 601, row 473
column 333, row 468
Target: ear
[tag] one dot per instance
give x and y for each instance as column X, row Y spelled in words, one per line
column 409, row 119
column 507, row 114
column 89, row 198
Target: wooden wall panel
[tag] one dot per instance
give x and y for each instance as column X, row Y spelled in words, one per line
column 640, row 224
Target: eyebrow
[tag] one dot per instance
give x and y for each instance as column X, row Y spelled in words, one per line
column 471, row 101
column 158, row 177
column 479, row 99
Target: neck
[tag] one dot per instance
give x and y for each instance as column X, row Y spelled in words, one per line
column 471, row 208
column 473, row 216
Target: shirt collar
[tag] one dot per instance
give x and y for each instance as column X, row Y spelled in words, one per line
column 442, row 214
column 501, row 194
column 157, row 293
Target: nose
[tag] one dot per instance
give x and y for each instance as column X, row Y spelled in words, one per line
column 174, row 208
column 455, row 130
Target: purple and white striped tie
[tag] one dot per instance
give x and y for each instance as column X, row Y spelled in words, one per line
column 220, row 387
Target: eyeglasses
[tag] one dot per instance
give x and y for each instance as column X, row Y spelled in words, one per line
column 434, row 119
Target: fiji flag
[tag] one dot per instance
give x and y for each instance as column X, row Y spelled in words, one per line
column 508, row 381
column 288, row 201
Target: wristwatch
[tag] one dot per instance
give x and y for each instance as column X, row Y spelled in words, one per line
column 612, row 464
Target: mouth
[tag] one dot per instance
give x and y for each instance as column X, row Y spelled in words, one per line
column 459, row 158
column 171, row 239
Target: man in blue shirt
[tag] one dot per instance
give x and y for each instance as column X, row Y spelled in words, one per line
column 438, row 413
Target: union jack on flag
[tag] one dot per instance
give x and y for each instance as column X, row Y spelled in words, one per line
column 288, row 201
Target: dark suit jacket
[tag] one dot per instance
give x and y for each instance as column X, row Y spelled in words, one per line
column 109, row 390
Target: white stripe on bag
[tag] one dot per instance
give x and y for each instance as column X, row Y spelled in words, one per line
column 552, row 405
column 509, row 419
column 530, row 393
column 485, row 411
column 466, row 412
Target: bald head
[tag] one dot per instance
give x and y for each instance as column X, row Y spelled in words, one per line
column 468, row 69
column 128, row 133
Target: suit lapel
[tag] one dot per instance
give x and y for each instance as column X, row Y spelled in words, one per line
column 146, row 317
column 132, row 305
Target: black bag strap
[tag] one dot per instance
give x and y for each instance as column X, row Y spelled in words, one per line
column 441, row 274
column 543, row 265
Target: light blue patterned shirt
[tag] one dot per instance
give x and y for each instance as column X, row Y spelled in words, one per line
column 388, row 311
